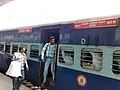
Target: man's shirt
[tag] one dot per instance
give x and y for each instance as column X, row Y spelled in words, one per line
column 48, row 50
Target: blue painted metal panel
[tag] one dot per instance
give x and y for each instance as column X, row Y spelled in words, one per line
column 66, row 79
column 32, row 75
column 5, row 60
column 36, row 36
column 93, row 36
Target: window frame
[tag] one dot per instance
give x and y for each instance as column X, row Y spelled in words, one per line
column 117, row 61
column 6, row 49
column 69, row 55
column 2, row 50
column 90, row 64
column 16, row 50
column 34, row 49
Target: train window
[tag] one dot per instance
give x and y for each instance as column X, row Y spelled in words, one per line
column 116, row 62
column 91, row 58
column 34, row 51
column 14, row 48
column 66, row 55
column 7, row 48
column 1, row 47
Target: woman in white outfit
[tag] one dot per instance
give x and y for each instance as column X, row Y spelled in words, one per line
column 16, row 68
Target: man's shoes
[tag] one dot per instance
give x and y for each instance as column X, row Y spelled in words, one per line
column 52, row 83
column 43, row 84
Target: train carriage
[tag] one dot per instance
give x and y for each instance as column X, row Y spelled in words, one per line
column 87, row 55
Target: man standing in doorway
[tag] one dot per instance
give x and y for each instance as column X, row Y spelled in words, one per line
column 47, row 56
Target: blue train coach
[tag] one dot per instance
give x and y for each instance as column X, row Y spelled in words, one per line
column 87, row 55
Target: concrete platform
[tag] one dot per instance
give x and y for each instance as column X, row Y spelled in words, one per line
column 6, row 83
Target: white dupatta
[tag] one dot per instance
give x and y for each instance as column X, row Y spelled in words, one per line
column 14, row 69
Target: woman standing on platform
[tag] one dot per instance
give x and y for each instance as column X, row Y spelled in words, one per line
column 16, row 68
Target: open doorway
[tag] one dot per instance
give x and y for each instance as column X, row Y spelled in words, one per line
column 49, row 33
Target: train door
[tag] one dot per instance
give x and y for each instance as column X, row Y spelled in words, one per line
column 48, row 34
